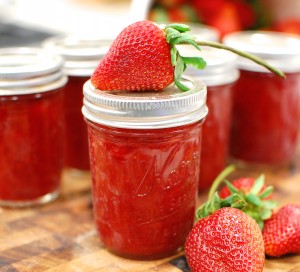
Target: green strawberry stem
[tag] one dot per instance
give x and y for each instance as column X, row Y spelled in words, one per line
column 219, row 179
column 176, row 34
column 243, row 54
column 254, row 203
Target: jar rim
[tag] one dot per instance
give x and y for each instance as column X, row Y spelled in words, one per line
column 145, row 110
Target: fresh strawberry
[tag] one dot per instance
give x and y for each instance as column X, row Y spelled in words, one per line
column 281, row 232
column 144, row 57
column 227, row 240
column 254, row 192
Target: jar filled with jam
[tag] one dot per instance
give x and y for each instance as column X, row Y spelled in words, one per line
column 81, row 56
column 31, row 126
column 144, row 150
column 265, row 106
column 219, row 75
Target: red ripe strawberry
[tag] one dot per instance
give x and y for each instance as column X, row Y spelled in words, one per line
column 254, row 192
column 281, row 232
column 228, row 240
column 144, row 57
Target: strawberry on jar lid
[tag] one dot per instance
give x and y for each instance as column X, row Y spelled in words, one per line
column 280, row 50
column 25, row 70
column 146, row 110
column 81, row 54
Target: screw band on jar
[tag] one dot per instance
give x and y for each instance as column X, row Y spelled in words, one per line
column 29, row 70
column 145, row 109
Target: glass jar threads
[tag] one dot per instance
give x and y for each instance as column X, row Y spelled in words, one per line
column 144, row 149
column 31, row 126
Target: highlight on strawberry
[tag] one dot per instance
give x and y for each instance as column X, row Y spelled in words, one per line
column 226, row 240
column 281, row 232
column 144, row 57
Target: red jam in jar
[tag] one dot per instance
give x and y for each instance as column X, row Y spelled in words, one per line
column 81, row 57
column 144, row 149
column 31, row 126
column 265, row 106
column 219, row 75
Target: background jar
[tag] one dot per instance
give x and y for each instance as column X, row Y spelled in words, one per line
column 144, row 149
column 81, row 56
column 266, row 107
column 31, row 126
column 219, row 75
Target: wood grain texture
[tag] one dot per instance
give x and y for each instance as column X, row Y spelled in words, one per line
column 61, row 237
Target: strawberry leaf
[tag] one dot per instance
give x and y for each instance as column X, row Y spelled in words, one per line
column 181, row 86
column 180, row 27
column 172, row 34
column 265, row 193
column 253, row 199
column 196, row 62
column 174, row 55
column 258, row 185
column 231, row 187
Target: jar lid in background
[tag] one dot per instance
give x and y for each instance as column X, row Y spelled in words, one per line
column 81, row 55
column 25, row 70
column 145, row 110
column 280, row 50
column 221, row 65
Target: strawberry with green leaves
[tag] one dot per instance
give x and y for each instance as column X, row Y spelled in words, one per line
column 254, row 192
column 281, row 232
column 225, row 238
column 144, row 57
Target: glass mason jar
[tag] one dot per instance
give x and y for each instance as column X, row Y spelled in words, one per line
column 31, row 126
column 265, row 106
column 219, row 75
column 81, row 56
column 144, row 149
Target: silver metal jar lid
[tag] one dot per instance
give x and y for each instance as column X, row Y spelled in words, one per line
column 145, row 110
column 26, row 70
column 280, row 50
column 204, row 32
column 81, row 55
column 221, row 65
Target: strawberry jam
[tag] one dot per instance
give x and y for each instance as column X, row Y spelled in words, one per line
column 219, row 75
column 144, row 150
column 81, row 57
column 265, row 106
column 31, row 126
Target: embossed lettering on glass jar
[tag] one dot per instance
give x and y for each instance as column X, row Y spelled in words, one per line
column 31, row 126
column 219, row 75
column 265, row 106
column 144, row 149
column 81, row 57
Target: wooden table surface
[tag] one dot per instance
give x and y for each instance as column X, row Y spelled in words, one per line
column 61, row 236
